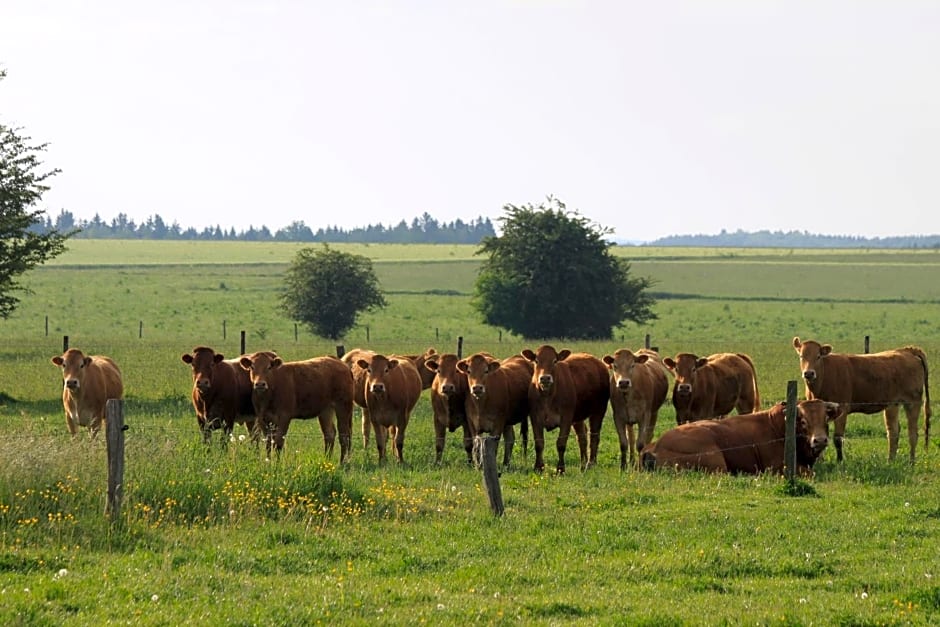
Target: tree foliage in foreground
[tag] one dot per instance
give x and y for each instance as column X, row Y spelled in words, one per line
column 551, row 275
column 22, row 184
column 326, row 290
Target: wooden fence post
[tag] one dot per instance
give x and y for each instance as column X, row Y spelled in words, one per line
column 243, row 344
column 65, row 343
column 114, row 430
column 867, row 342
column 223, row 329
column 140, row 330
column 494, row 493
column 460, row 347
column 340, row 351
column 647, row 343
column 47, row 326
column 367, row 334
column 789, row 447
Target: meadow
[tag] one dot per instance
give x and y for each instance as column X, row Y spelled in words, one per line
column 225, row 536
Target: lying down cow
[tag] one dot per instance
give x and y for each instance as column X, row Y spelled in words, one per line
column 741, row 444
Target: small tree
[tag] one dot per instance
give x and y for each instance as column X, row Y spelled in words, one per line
column 327, row 289
column 551, row 274
column 23, row 243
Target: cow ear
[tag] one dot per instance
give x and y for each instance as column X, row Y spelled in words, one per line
column 563, row 354
column 86, row 361
column 528, row 354
column 392, row 363
column 493, row 366
column 670, row 363
column 462, row 366
column 608, row 359
column 825, row 349
column 833, row 410
column 218, row 357
column 432, row 365
column 362, row 363
column 277, row 361
column 57, row 360
column 797, row 344
column 701, row 361
column 187, row 358
column 641, row 359
column 245, row 363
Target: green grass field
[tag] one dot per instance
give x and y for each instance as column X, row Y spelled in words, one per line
column 224, row 536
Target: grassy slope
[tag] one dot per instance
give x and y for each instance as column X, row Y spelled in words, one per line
column 226, row 537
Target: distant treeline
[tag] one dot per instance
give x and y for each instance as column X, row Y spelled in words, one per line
column 425, row 230
column 796, row 239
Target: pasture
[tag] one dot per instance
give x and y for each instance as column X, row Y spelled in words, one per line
column 226, row 536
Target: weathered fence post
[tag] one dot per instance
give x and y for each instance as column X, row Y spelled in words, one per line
column 494, row 493
column 789, row 447
column 340, row 351
column 140, row 330
column 223, row 329
column 367, row 333
column 243, row 344
column 647, row 343
column 65, row 343
column 114, row 431
column 459, row 347
column 867, row 342
column 295, row 331
column 47, row 326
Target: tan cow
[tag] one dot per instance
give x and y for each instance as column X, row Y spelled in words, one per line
column 88, row 382
column 710, row 387
column 567, row 390
column 282, row 391
column 498, row 397
column 867, row 384
column 392, row 388
column 745, row 444
column 639, row 384
column 221, row 392
column 449, row 391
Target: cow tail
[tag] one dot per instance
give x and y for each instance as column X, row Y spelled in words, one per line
column 524, row 431
column 757, row 405
column 923, row 362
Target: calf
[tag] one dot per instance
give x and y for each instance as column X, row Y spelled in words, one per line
column 282, row 391
column 567, row 390
column 745, row 444
column 867, row 384
column 710, row 387
column 449, row 391
column 392, row 388
column 88, row 382
column 498, row 397
column 639, row 384
column 221, row 392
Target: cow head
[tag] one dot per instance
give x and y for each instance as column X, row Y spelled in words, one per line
column 72, row 363
column 683, row 368
column 427, row 374
column 812, row 428
column 544, row 360
column 203, row 361
column 477, row 368
column 376, row 368
column 812, row 360
column 446, row 373
column 262, row 368
column 621, row 366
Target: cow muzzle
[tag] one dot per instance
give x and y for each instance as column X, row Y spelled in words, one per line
column 203, row 385
column 477, row 391
column 261, row 386
column 624, row 384
column 545, row 382
column 818, row 444
column 377, row 388
column 71, row 384
column 809, row 375
column 684, row 388
column 448, row 388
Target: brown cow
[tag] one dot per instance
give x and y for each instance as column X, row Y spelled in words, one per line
column 221, row 392
column 498, row 397
column 392, row 388
column 359, row 375
column 710, row 387
column 868, row 384
column 88, row 382
column 745, row 444
column 639, row 384
column 449, row 392
column 567, row 390
column 286, row 390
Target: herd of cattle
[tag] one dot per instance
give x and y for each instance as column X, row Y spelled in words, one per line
column 546, row 389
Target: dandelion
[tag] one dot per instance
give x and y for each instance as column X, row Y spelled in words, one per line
column 155, row 598
column 864, row 595
column 440, row 606
column 59, row 575
column 241, row 438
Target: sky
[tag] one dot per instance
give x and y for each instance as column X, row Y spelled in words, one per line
column 648, row 118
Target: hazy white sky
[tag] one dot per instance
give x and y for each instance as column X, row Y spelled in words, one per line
column 652, row 118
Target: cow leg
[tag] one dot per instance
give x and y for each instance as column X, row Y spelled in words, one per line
column 583, row 436
column 468, row 442
column 647, row 428
column 344, row 414
column 892, row 430
column 329, row 431
column 538, row 437
column 564, row 431
column 95, row 426
column 440, row 435
column 594, row 423
column 839, row 429
column 509, row 441
column 366, row 426
column 912, row 411
column 380, row 436
column 627, row 437
column 400, row 439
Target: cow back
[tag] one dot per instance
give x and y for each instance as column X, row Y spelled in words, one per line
column 303, row 389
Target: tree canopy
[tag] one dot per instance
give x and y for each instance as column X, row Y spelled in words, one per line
column 550, row 274
column 326, row 289
column 22, row 184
